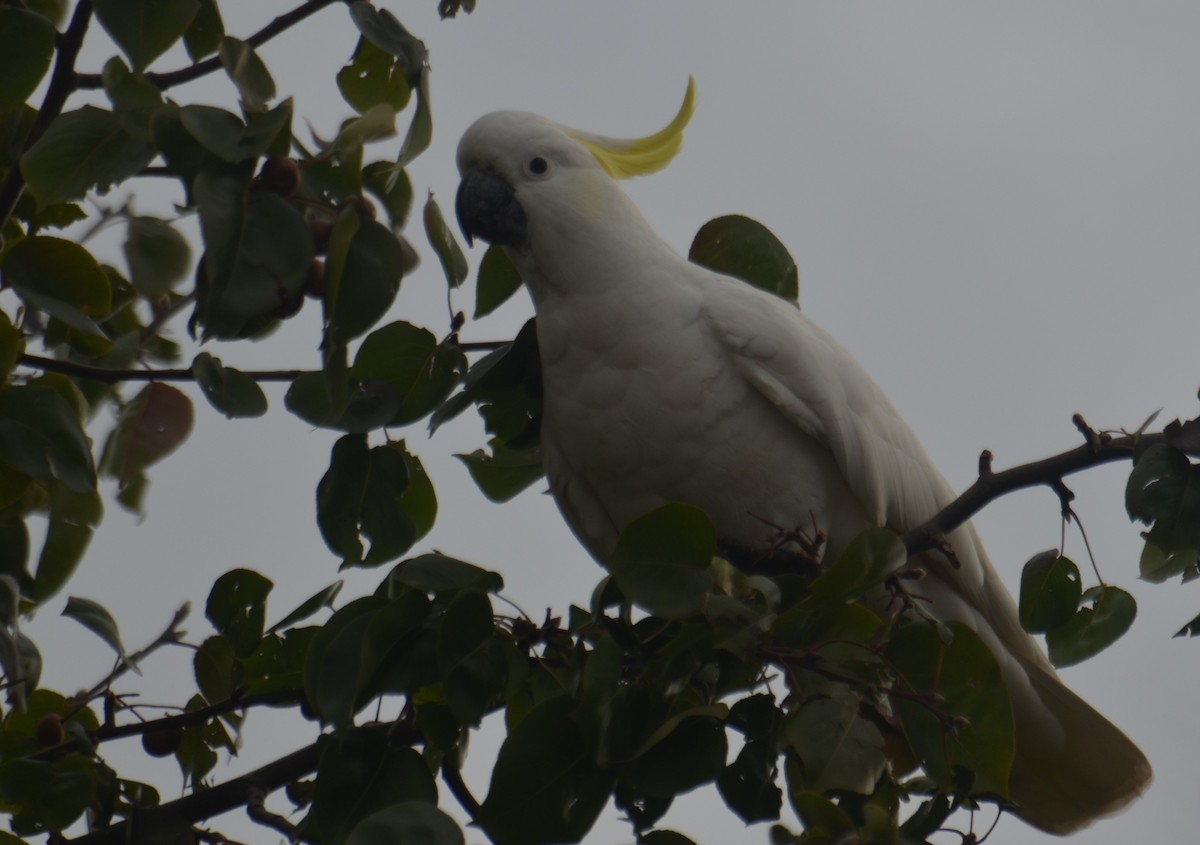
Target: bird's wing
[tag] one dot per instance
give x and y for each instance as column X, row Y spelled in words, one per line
column 814, row 382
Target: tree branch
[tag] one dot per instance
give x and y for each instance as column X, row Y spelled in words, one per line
column 63, row 82
column 1048, row 472
column 209, row 802
column 172, row 78
column 111, row 375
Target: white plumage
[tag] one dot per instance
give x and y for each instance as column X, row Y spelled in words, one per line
column 667, row 382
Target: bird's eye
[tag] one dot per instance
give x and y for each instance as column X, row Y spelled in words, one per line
column 538, row 166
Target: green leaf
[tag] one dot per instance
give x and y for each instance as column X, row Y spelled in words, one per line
column 248, row 72
column 360, row 774
column 339, row 497
column 409, row 822
column 748, row 784
column 203, row 35
column 224, row 135
column 145, row 29
column 420, row 131
column 368, row 405
column 546, row 786
column 258, row 252
column 435, row 573
column 419, row 500
column 237, row 607
column 373, row 77
column 745, row 249
column 158, row 256
column 82, row 149
column 445, row 245
column 1050, row 591
column 96, row 619
column 214, row 665
column 392, row 187
column 61, row 278
column 47, row 796
column 230, row 391
column 311, row 605
column 823, row 820
column 364, row 492
column 422, row 371
column 135, row 100
column 332, row 671
column 41, row 436
column 504, row 473
column 362, row 284
column 962, row 679
column 380, row 27
column 72, row 519
column 662, row 560
column 692, row 753
column 471, row 662
column 837, row 748
column 664, row 837
column 12, row 346
column 871, row 558
column 1164, row 492
column 1157, row 565
column 383, row 520
column 497, row 281
column 151, row 426
column 26, row 47
column 1092, row 629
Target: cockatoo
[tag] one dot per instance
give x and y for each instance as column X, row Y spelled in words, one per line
column 666, row 382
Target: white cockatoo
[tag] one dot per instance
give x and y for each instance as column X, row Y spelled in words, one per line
column 666, row 382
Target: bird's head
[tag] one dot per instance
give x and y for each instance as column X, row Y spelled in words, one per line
column 521, row 172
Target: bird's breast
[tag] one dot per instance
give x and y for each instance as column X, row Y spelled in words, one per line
column 644, row 407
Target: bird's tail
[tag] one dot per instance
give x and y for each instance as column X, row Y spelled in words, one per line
column 1094, row 772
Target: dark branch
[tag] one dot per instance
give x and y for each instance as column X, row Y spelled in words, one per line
column 1048, row 472
column 210, row 802
column 183, row 720
column 63, row 82
column 110, row 375
column 213, row 63
column 458, row 788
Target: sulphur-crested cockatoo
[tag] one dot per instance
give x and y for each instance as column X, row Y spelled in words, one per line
column 666, row 382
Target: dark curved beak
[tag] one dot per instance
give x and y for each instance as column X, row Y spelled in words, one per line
column 487, row 206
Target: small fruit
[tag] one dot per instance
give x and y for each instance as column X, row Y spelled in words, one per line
column 162, row 742
column 50, row 731
column 314, row 279
column 280, row 174
column 321, row 229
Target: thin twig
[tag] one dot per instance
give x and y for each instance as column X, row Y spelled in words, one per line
column 112, row 375
column 170, row 636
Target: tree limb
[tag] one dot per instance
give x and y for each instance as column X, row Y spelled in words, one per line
column 194, row 71
column 63, row 82
column 1049, row 472
column 209, row 802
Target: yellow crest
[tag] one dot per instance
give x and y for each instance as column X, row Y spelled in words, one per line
column 626, row 157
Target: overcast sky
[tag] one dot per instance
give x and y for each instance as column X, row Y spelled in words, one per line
column 995, row 206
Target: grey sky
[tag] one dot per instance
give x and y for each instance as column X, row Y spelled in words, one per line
column 994, row 206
